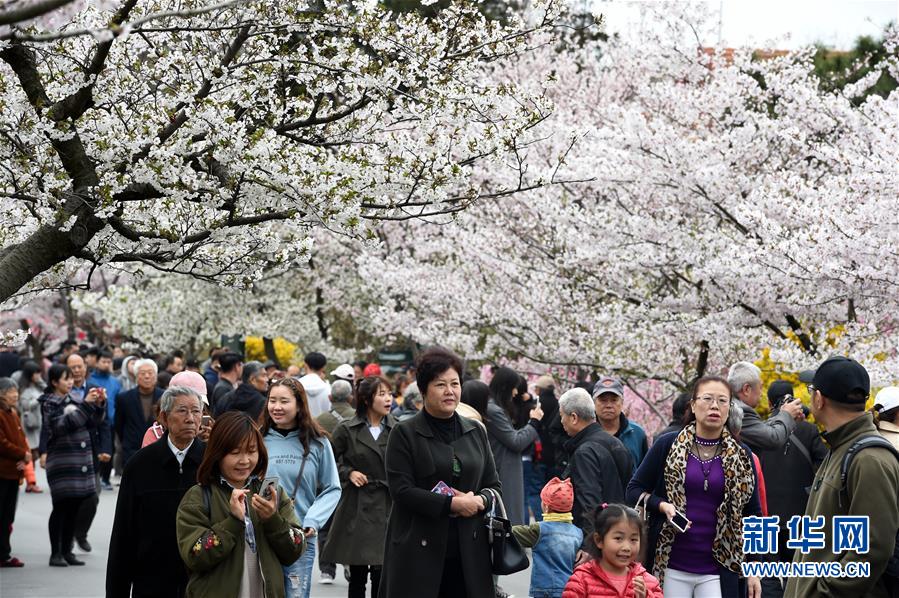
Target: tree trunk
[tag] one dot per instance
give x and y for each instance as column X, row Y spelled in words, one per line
column 48, row 246
column 69, row 314
column 269, row 345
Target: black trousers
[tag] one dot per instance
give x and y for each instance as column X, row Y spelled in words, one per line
column 62, row 523
column 9, row 495
column 359, row 575
column 86, row 513
column 452, row 583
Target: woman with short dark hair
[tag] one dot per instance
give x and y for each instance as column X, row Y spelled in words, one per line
column 439, row 471
column 233, row 539
column 357, row 535
column 705, row 474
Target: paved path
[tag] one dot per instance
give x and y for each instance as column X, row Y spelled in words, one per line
column 38, row 580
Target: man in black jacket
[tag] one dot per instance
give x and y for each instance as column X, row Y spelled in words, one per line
column 788, row 472
column 599, row 465
column 143, row 551
column 135, row 409
column 249, row 396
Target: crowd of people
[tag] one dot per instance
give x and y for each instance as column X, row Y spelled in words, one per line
column 235, row 475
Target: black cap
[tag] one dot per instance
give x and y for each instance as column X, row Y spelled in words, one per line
column 838, row 376
column 807, row 376
column 777, row 390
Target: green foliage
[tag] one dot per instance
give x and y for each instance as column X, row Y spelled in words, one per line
column 838, row 69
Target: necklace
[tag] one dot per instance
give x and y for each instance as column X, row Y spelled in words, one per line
column 698, row 446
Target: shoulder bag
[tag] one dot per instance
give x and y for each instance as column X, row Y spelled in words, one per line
column 506, row 553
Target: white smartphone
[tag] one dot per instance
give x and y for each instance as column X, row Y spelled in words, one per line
column 268, row 483
column 680, row 522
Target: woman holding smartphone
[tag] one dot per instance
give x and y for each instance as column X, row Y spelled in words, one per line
column 70, row 459
column 233, row 537
column 698, row 484
column 300, row 457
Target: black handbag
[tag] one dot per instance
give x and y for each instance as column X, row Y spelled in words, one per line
column 506, row 553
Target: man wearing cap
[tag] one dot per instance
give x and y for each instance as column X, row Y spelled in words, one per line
column 745, row 382
column 608, row 396
column 344, row 372
column 144, row 560
column 839, row 391
column 886, row 404
column 788, row 473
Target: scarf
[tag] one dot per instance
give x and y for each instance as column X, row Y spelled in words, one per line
column 739, row 483
column 560, row 517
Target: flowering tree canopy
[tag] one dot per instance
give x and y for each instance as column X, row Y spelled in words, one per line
column 211, row 141
column 313, row 306
column 735, row 204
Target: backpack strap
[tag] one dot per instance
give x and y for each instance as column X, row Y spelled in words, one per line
column 797, row 444
column 337, row 416
column 873, row 440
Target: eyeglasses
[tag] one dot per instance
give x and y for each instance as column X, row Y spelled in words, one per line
column 708, row 400
column 811, row 389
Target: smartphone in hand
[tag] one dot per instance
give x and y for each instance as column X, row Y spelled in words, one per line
column 680, row 522
column 269, row 487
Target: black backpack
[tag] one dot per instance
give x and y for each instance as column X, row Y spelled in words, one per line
column 858, row 445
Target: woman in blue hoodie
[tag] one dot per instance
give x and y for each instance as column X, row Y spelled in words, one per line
column 300, row 456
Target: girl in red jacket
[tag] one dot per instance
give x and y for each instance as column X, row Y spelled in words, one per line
column 615, row 571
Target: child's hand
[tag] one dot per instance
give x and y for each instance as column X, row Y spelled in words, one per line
column 639, row 587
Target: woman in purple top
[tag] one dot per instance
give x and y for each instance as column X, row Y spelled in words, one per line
column 704, row 473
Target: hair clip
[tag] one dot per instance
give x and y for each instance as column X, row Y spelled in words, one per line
column 604, row 505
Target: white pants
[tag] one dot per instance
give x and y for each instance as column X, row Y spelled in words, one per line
column 680, row 584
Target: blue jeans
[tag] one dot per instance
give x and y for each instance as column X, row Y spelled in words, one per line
column 298, row 577
column 534, row 480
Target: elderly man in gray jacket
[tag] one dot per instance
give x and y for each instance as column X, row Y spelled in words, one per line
column 746, row 384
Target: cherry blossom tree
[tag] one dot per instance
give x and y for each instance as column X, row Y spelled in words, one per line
column 313, row 307
column 735, row 205
column 213, row 140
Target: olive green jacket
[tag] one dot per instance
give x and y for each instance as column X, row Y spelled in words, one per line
column 329, row 421
column 212, row 546
column 872, row 485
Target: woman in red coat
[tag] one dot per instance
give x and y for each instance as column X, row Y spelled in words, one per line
column 14, row 456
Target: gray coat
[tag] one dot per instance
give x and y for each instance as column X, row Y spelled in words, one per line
column 508, row 445
column 30, row 407
column 765, row 435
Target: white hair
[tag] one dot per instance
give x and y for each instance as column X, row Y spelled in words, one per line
column 578, row 401
column 142, row 362
column 742, row 373
column 341, row 391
